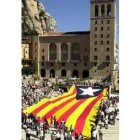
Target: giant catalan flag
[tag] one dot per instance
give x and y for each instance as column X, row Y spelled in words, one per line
column 77, row 107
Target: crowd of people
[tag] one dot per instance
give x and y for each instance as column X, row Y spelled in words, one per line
column 31, row 122
column 107, row 114
column 33, row 93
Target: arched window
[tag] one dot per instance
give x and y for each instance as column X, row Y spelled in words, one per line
column 64, row 52
column 109, row 10
column 102, row 10
column 52, row 73
column 75, row 73
column 63, row 72
column 76, row 51
column 52, row 51
column 96, row 10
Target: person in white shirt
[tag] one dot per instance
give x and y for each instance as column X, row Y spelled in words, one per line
column 93, row 132
column 58, row 136
column 94, row 135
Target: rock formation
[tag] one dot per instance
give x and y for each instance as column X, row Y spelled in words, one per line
column 35, row 17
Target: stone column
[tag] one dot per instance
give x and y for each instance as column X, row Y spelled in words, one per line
column 48, row 52
column 99, row 10
column 69, row 52
column 105, row 6
column 58, row 51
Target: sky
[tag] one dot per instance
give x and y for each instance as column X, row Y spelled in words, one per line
column 73, row 15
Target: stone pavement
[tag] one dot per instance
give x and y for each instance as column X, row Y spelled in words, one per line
column 112, row 133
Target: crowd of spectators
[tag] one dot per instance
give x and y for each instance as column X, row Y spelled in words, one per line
column 107, row 114
column 33, row 92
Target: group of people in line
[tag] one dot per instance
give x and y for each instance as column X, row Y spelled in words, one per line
column 32, row 93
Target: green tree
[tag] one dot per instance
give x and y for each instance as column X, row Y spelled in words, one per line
column 27, row 70
column 27, row 31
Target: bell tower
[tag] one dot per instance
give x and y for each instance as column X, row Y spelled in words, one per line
column 102, row 37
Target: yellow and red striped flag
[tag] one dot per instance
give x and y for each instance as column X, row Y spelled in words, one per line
column 76, row 108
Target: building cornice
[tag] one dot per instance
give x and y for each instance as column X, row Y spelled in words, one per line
column 95, row 18
column 102, row 1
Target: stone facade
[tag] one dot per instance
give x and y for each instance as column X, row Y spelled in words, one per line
column 81, row 54
column 64, row 53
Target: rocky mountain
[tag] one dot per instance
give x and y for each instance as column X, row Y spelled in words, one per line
column 35, row 19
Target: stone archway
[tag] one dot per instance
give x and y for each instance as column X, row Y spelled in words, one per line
column 43, row 73
column 85, row 74
column 63, row 72
column 52, row 73
column 75, row 73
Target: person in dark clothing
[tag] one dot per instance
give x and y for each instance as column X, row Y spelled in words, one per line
column 96, row 121
column 45, row 119
column 28, row 133
column 54, row 121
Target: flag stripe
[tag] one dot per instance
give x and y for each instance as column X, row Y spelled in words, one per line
column 68, row 112
column 57, row 108
column 90, row 119
column 50, row 102
column 77, row 112
column 41, row 107
column 48, row 108
column 64, row 109
column 33, row 107
column 81, row 120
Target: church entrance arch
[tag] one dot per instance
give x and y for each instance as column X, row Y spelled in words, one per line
column 63, row 72
column 75, row 73
column 85, row 74
column 43, row 73
column 52, row 73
